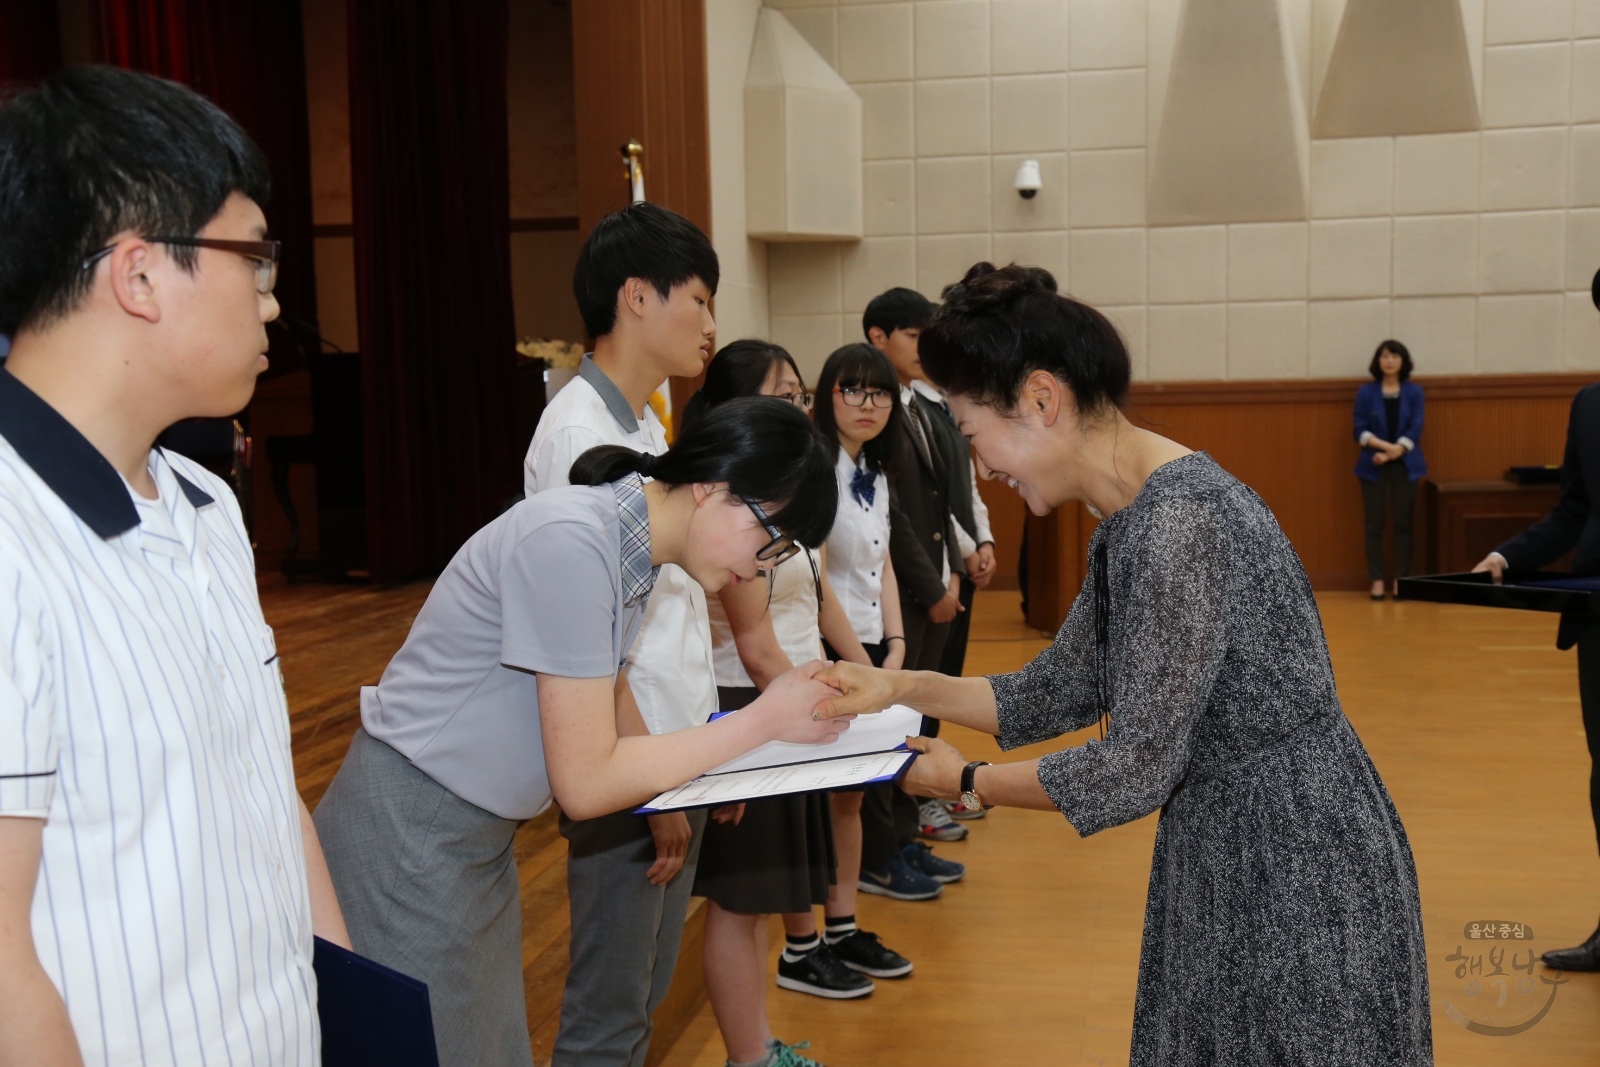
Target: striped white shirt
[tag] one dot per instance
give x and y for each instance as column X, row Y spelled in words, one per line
column 142, row 717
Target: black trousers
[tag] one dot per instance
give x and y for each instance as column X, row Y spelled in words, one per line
column 925, row 639
column 886, row 824
column 1589, row 694
column 1394, row 488
column 954, row 660
column 888, row 814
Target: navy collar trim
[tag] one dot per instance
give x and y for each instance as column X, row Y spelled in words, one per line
column 615, row 402
column 72, row 467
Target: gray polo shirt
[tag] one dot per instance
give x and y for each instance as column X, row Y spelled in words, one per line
column 557, row 585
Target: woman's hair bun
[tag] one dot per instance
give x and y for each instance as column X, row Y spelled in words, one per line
column 999, row 324
column 988, row 289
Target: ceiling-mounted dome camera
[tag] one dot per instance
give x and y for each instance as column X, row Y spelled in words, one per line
column 1028, row 182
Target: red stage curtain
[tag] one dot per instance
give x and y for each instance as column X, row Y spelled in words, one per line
column 30, row 42
column 249, row 59
column 429, row 177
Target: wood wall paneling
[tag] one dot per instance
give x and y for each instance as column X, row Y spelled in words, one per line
column 640, row 72
column 1292, row 443
column 1470, row 517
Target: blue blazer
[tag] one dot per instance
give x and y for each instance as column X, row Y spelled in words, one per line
column 1371, row 417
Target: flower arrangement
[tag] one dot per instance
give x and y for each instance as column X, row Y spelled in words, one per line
column 558, row 354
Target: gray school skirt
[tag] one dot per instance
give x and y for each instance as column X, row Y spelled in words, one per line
column 428, row 885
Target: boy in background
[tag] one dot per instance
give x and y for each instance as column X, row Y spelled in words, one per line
column 160, row 878
column 924, row 545
column 969, row 527
column 644, row 283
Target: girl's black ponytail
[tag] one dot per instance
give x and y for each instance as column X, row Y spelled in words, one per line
column 762, row 448
column 608, row 463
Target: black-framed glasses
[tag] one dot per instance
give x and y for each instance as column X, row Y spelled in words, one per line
column 855, row 398
column 265, row 254
column 781, row 547
column 801, row 400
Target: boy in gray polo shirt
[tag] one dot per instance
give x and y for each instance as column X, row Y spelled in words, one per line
column 643, row 283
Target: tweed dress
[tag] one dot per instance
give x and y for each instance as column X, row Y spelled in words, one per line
column 1283, row 924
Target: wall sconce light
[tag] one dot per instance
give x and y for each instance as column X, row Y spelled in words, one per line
column 1028, row 181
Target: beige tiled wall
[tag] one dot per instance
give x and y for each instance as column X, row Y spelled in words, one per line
column 1474, row 248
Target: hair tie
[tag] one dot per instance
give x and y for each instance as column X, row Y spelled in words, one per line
column 646, row 464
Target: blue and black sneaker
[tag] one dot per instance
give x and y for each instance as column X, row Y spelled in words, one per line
column 895, row 878
column 920, row 857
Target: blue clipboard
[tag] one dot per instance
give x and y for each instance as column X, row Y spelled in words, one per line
column 371, row 1016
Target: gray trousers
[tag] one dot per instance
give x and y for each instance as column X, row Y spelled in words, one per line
column 625, row 938
column 428, row 885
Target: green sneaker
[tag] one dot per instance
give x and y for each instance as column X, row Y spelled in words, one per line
column 789, row 1056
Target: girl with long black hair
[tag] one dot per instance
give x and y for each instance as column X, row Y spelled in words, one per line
column 508, row 694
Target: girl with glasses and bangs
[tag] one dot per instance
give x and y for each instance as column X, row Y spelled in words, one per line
column 779, row 856
column 859, row 413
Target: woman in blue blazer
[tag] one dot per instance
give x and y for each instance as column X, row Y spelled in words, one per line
column 1388, row 421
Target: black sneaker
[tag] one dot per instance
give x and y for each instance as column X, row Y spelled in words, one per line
column 864, row 952
column 822, row 974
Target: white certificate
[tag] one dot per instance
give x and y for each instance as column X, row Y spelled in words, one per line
column 886, row 730
column 733, row 787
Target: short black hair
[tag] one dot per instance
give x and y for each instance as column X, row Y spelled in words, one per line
column 764, row 448
column 1398, row 349
column 96, row 151
column 740, row 368
column 863, row 367
column 640, row 241
column 999, row 325
column 898, row 309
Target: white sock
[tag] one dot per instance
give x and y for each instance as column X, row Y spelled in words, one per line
column 795, row 948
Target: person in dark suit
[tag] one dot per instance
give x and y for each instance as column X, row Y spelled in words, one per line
column 1573, row 525
column 1388, row 427
column 974, row 539
column 921, row 545
column 922, row 548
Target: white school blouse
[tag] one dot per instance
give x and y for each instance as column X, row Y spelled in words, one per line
column 142, row 717
column 793, row 605
column 669, row 665
column 858, row 548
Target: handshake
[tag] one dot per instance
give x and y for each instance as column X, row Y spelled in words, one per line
column 815, row 702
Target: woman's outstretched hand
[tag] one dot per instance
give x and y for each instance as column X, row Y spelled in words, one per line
column 937, row 771
column 797, row 700
column 858, row 690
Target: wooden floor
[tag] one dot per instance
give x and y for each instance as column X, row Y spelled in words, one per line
column 1471, row 716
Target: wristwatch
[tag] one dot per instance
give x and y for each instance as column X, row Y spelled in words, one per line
column 969, row 790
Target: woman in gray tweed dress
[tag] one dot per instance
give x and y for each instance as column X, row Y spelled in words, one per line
column 1283, row 924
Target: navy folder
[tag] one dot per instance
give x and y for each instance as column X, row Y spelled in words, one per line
column 371, row 1015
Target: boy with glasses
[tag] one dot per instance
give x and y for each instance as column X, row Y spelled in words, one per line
column 160, row 878
column 644, row 283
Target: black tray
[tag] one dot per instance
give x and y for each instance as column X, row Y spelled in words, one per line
column 1524, row 591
